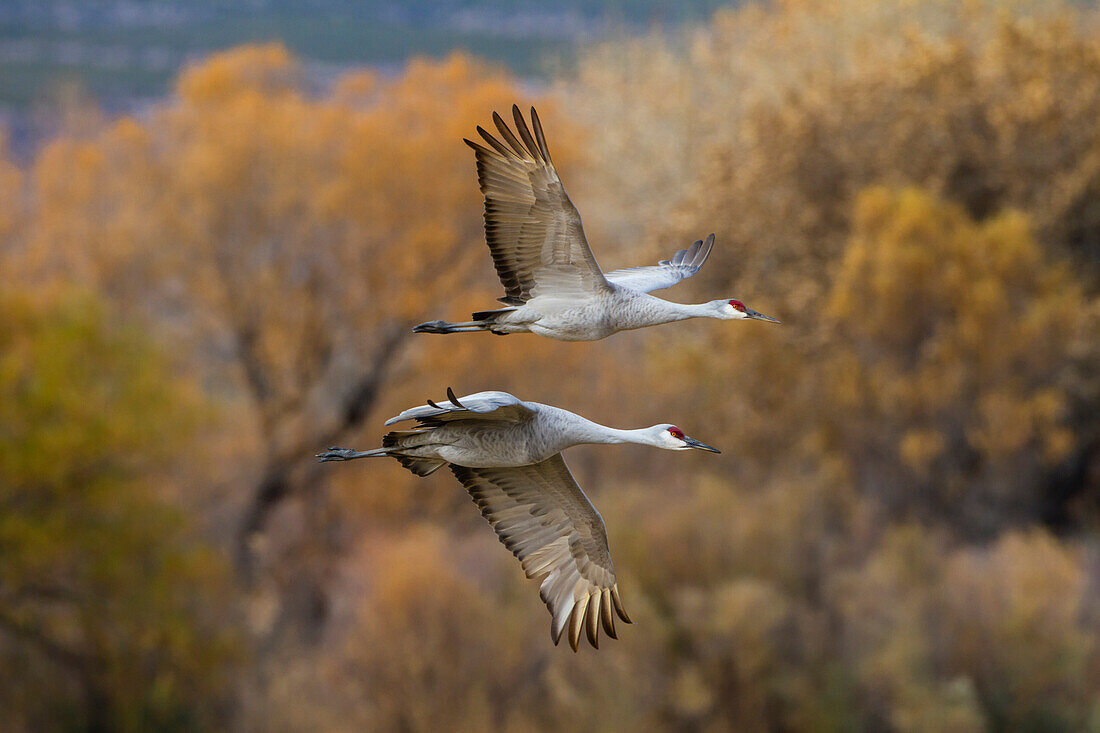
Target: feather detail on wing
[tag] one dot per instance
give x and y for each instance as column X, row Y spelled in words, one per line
column 533, row 230
column 666, row 273
column 478, row 406
column 540, row 514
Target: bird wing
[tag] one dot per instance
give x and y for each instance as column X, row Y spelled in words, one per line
column 482, row 405
column 533, row 230
column 541, row 515
column 666, row 273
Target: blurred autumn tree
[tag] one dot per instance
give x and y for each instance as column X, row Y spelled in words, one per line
column 288, row 234
column 945, row 357
column 919, row 209
column 112, row 615
column 772, row 118
column 951, row 357
column 922, row 416
column 984, row 105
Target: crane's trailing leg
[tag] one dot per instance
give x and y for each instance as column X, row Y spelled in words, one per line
column 445, row 327
column 347, row 454
column 397, row 444
column 483, row 321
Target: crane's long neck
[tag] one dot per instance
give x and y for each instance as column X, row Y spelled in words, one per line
column 665, row 311
column 587, row 431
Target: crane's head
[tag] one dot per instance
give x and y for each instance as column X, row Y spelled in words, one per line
column 731, row 310
column 671, row 437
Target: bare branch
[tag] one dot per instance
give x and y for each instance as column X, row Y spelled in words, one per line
column 27, row 632
column 277, row 482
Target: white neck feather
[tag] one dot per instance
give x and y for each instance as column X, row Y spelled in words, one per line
column 670, row 311
column 595, row 433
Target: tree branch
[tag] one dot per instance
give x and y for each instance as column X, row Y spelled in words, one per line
column 277, row 481
column 54, row 651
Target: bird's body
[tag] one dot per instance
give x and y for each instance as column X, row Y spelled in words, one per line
column 553, row 285
column 507, row 453
column 535, row 433
column 591, row 319
column 501, row 443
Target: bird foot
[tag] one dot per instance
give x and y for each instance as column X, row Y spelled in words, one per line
column 433, row 327
column 339, row 454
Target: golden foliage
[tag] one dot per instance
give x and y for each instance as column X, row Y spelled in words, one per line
column 1016, row 626
column 772, row 120
column 104, row 597
column 937, row 370
column 419, row 631
column 888, row 195
column 999, row 633
column 276, row 233
column 240, row 205
column 954, row 325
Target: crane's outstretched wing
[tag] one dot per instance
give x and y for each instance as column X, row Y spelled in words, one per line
column 533, row 230
column 666, row 273
column 541, row 515
column 481, row 405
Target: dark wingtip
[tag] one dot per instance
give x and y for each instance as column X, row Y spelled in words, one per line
column 619, row 605
column 540, row 135
column 453, row 399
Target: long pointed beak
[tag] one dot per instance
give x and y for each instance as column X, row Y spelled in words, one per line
column 701, row 446
column 760, row 316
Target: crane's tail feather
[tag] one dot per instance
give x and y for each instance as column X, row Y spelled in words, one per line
column 397, row 442
column 490, row 316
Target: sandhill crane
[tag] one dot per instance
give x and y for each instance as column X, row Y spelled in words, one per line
column 507, row 453
column 553, row 285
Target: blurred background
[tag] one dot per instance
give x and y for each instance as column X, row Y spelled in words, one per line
column 218, row 222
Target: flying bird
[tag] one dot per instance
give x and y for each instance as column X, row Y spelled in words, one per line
column 552, row 283
column 507, row 454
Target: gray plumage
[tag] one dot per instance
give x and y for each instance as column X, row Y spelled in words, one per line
column 553, row 285
column 507, row 454
column 684, row 264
